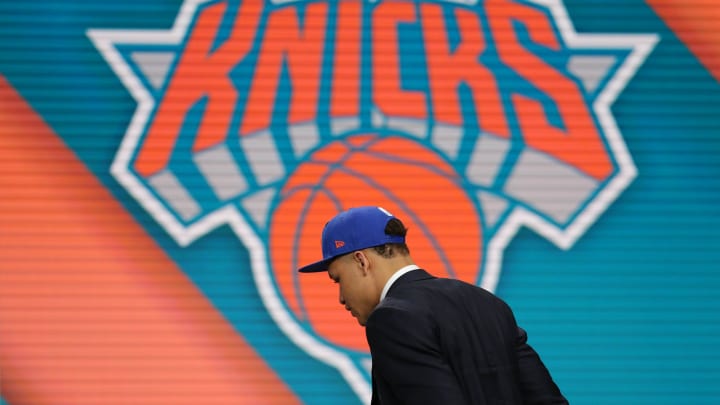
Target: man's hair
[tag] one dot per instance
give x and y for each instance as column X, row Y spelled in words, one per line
column 394, row 227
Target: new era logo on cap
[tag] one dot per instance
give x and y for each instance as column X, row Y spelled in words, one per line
column 339, row 243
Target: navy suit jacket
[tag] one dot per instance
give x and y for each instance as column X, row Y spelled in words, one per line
column 443, row 341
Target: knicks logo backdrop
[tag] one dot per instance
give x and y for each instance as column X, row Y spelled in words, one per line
column 468, row 119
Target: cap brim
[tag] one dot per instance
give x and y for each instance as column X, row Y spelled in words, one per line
column 316, row 267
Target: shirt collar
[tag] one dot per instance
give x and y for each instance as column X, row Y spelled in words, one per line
column 394, row 278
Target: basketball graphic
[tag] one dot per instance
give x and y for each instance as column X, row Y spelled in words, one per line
column 399, row 174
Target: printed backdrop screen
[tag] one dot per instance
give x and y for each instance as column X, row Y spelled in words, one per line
column 166, row 166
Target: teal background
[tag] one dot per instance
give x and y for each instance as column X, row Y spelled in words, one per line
column 628, row 315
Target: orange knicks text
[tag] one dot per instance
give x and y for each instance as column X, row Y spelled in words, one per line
column 345, row 54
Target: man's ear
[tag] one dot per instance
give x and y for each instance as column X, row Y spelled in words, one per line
column 361, row 260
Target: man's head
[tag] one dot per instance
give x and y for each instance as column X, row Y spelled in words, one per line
column 362, row 247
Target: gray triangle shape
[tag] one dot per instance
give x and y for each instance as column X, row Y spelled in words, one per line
column 492, row 207
column 590, row 69
column 154, row 65
column 258, row 206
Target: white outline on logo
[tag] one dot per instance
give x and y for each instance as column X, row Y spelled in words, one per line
column 105, row 40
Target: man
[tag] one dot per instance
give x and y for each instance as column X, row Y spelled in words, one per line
column 433, row 340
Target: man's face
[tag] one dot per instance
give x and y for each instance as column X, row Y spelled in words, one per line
column 357, row 292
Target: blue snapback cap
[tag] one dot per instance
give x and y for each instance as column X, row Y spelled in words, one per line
column 355, row 229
